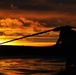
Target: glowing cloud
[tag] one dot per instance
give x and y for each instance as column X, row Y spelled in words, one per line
column 20, row 26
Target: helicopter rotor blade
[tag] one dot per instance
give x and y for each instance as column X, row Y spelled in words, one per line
column 55, row 29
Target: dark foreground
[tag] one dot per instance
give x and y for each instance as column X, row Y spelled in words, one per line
column 69, row 71
column 24, row 51
column 19, row 60
column 7, row 51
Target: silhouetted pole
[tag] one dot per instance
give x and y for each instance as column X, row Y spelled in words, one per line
column 25, row 36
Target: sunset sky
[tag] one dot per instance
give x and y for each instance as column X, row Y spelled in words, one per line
column 23, row 17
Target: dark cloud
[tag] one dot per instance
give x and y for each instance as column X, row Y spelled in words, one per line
column 62, row 1
column 57, row 6
column 39, row 4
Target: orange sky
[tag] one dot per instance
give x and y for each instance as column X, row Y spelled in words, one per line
column 18, row 23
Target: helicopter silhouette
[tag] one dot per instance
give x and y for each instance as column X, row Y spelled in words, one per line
column 66, row 42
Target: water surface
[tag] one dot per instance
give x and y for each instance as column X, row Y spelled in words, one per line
column 30, row 66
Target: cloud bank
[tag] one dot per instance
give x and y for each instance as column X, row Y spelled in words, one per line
column 23, row 26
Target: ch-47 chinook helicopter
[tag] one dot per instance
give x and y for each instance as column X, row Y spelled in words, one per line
column 65, row 46
column 67, row 37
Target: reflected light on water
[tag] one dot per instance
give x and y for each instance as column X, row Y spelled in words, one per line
column 36, row 66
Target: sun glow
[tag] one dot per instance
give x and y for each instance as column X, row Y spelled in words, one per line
column 25, row 42
column 31, row 43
